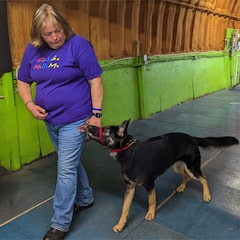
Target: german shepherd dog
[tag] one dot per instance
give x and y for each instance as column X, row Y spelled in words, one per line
column 142, row 162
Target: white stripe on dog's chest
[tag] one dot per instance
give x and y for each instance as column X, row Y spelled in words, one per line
column 113, row 154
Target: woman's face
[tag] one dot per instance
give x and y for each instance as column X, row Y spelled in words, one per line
column 53, row 35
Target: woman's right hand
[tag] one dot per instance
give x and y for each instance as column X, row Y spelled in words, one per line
column 37, row 111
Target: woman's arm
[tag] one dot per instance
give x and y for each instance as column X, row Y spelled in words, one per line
column 25, row 93
column 97, row 98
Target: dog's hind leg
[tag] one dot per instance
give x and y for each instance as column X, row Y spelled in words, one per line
column 206, row 192
column 183, row 184
column 151, row 205
column 199, row 177
column 180, row 168
column 129, row 194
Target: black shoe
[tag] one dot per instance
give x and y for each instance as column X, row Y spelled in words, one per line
column 78, row 209
column 54, row 234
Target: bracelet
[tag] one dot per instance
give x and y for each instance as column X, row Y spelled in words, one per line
column 28, row 103
column 97, row 115
column 97, row 109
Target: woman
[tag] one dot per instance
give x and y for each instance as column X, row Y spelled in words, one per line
column 69, row 94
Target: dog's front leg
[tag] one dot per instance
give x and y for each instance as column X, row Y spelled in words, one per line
column 129, row 194
column 151, row 205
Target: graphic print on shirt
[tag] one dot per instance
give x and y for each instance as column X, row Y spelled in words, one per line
column 48, row 62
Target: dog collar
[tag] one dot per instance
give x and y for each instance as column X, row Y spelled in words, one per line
column 124, row 148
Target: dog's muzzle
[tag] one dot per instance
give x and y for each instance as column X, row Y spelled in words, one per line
column 95, row 133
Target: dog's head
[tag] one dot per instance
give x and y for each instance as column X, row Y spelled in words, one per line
column 112, row 137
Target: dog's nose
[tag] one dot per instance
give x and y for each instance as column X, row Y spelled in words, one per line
column 93, row 131
column 91, row 128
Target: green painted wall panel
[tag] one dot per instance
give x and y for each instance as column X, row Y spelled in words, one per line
column 167, row 84
column 210, row 75
column 121, row 98
column 9, row 148
column 29, row 145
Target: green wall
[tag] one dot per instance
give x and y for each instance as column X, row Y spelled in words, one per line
column 132, row 89
column 136, row 90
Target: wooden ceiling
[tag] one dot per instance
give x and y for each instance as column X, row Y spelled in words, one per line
column 126, row 28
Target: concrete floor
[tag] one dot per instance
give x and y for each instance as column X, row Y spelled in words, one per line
column 26, row 195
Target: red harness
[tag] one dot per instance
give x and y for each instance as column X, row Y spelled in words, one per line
column 121, row 149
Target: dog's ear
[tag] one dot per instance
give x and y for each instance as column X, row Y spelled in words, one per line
column 123, row 128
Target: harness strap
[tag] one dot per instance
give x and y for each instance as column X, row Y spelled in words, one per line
column 100, row 136
column 124, row 148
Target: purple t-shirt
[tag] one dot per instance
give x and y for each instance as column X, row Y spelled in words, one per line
column 61, row 77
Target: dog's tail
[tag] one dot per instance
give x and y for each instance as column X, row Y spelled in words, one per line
column 216, row 141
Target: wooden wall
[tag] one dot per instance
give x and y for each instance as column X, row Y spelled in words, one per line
column 126, row 28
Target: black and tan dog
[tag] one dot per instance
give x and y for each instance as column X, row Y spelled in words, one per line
column 142, row 162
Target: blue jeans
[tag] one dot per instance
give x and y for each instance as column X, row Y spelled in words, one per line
column 72, row 181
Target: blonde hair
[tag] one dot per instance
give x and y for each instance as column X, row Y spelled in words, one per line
column 47, row 12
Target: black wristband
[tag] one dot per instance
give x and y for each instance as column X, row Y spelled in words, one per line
column 97, row 115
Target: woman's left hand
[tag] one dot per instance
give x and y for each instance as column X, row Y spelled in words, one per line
column 94, row 121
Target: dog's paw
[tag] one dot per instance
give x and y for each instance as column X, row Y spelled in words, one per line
column 207, row 198
column 118, row 227
column 150, row 216
column 181, row 188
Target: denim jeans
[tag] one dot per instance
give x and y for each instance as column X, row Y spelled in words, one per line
column 72, row 181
